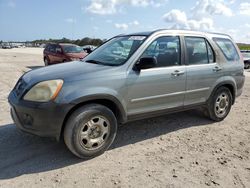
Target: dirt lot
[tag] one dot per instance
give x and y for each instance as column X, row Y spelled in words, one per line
column 177, row 150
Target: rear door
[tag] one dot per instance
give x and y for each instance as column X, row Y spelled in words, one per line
column 203, row 70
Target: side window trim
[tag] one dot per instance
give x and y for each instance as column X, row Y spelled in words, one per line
column 213, row 52
column 207, row 52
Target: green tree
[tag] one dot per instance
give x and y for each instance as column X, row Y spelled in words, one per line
column 80, row 42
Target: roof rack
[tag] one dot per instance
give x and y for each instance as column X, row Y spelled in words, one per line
column 215, row 33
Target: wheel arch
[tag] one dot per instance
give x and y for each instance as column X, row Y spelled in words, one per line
column 106, row 100
column 46, row 57
column 228, row 84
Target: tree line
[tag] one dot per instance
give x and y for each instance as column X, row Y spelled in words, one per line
column 80, row 42
column 244, row 46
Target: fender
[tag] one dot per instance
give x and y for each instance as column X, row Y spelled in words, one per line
column 225, row 83
column 103, row 96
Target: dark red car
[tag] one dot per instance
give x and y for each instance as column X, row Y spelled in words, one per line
column 58, row 53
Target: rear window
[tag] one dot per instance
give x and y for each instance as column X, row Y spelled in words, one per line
column 72, row 49
column 227, row 48
column 51, row 48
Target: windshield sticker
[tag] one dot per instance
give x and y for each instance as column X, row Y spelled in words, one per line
column 137, row 38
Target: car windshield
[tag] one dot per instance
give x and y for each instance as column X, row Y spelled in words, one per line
column 116, row 51
column 72, row 49
column 246, row 55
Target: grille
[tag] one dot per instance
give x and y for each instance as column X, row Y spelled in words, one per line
column 20, row 86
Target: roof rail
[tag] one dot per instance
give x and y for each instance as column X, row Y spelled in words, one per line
column 215, row 33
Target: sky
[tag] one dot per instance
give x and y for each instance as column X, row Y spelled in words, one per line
column 25, row 20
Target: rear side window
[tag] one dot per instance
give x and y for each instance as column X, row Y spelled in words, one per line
column 47, row 48
column 199, row 51
column 227, row 48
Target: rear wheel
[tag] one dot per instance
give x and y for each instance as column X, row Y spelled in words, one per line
column 90, row 130
column 46, row 61
column 219, row 104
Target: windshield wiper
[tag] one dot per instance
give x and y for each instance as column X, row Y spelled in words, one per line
column 94, row 61
column 98, row 62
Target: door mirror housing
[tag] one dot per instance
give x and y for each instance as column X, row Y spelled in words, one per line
column 146, row 63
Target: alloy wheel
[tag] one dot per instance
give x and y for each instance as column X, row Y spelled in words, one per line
column 94, row 133
column 221, row 105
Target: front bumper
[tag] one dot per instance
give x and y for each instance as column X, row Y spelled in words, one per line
column 42, row 119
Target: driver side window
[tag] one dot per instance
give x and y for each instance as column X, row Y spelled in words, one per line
column 166, row 50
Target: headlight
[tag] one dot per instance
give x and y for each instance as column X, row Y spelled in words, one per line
column 44, row 91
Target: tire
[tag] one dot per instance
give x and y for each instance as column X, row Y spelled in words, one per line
column 219, row 104
column 90, row 131
column 247, row 66
column 46, row 61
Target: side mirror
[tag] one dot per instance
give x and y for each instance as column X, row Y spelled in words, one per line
column 146, row 63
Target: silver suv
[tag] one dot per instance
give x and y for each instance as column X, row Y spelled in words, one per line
column 129, row 77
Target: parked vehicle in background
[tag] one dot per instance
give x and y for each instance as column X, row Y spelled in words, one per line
column 246, row 58
column 89, row 48
column 6, row 45
column 129, row 77
column 60, row 53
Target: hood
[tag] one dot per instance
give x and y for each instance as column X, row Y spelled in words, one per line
column 75, row 70
column 77, row 55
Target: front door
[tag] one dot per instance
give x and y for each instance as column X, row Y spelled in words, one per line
column 161, row 87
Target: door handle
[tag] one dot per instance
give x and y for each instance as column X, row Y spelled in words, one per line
column 177, row 73
column 217, row 68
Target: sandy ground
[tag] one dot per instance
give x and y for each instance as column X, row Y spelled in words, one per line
column 177, row 150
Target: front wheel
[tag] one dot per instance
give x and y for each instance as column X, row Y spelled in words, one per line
column 90, row 130
column 219, row 105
